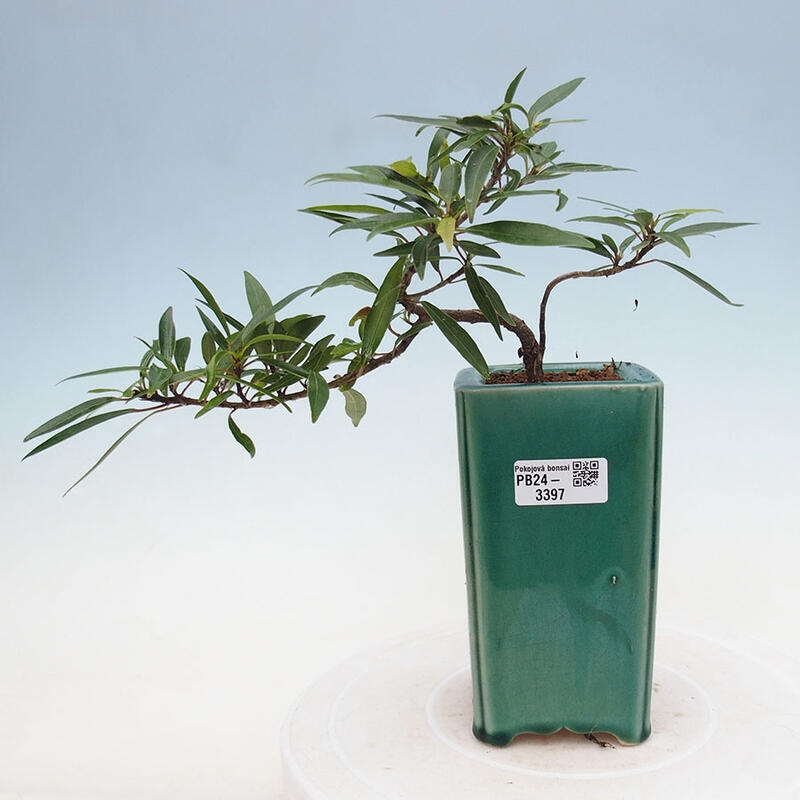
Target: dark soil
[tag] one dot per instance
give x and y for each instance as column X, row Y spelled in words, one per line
column 606, row 373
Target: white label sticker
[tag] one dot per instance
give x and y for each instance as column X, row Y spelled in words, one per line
column 561, row 482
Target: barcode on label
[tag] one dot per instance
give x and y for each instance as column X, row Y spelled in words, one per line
column 585, row 473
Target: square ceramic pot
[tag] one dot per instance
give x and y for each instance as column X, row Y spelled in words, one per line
column 560, row 492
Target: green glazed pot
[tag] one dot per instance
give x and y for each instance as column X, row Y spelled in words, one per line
column 560, row 491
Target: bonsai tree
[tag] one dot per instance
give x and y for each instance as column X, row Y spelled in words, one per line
column 439, row 225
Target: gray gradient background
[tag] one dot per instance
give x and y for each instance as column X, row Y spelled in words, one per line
column 156, row 624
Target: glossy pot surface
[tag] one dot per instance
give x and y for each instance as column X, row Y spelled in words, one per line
column 560, row 491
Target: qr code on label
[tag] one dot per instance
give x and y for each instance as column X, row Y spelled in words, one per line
column 585, row 473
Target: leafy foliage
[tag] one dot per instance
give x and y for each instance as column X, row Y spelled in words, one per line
column 435, row 218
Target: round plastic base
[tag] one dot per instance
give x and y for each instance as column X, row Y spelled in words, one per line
column 397, row 723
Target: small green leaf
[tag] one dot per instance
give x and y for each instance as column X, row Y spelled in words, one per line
column 482, row 300
column 213, row 403
column 376, row 176
column 677, row 215
column 563, row 168
column 512, row 87
column 699, row 281
column 471, row 140
column 380, row 315
column 599, row 247
column 610, row 243
column 70, row 415
column 257, row 296
column 435, row 160
column 406, row 168
column 242, row 438
column 551, row 98
column 425, row 249
column 73, row 430
column 448, row 123
column 284, row 301
column 446, row 228
column 187, row 376
column 344, row 348
column 182, row 349
column 320, row 355
column 620, row 222
column 419, row 255
column 685, row 212
column 458, row 337
column 477, row 249
column 643, row 217
column 208, row 346
column 166, row 335
column 343, row 208
column 210, row 301
column 402, row 249
column 386, row 223
column 488, row 300
column 544, row 153
column 475, row 122
column 301, row 326
column 671, row 237
column 501, row 268
column 450, row 182
column 500, row 197
column 318, row 393
column 496, row 301
column 211, row 376
column 359, row 316
column 217, row 335
column 707, row 227
column 273, row 338
column 106, row 371
column 348, row 279
column 285, row 366
column 478, row 169
column 158, row 378
column 265, row 315
column 529, row 233
column 147, row 359
column 355, row 405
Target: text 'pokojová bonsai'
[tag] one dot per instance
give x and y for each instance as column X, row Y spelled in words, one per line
column 442, row 224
